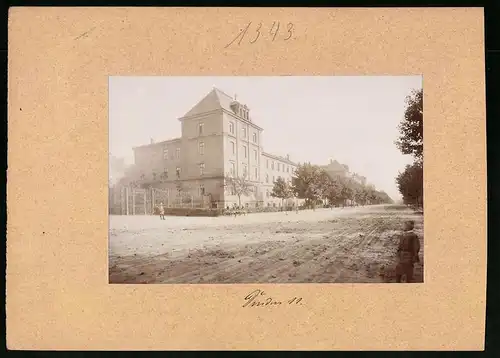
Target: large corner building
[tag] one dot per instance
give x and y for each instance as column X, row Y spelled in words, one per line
column 219, row 138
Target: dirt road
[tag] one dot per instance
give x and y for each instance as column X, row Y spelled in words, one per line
column 327, row 245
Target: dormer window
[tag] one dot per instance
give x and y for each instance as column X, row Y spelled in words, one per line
column 235, row 106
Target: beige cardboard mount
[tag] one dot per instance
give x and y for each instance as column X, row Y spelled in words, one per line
column 58, row 296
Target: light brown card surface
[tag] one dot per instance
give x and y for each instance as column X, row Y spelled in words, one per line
column 58, row 296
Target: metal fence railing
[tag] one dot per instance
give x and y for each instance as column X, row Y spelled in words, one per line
column 139, row 201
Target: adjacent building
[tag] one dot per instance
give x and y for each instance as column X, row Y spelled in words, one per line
column 335, row 169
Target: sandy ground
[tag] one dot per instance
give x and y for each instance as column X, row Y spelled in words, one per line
column 326, row 245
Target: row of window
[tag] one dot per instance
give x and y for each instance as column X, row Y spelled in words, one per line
column 242, row 111
column 245, row 151
column 201, row 151
column 274, row 179
column 280, row 167
column 201, row 166
column 164, row 175
column 201, row 145
column 243, row 132
column 177, row 153
column 232, row 170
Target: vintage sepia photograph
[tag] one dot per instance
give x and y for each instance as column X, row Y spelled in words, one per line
column 283, row 179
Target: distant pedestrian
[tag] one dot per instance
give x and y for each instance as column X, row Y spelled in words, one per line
column 408, row 250
column 162, row 212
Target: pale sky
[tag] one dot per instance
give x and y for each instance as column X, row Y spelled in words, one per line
column 352, row 119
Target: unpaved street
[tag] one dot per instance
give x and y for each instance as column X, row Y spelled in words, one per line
column 327, row 245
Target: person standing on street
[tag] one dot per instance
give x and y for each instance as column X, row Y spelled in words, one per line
column 408, row 250
column 162, row 212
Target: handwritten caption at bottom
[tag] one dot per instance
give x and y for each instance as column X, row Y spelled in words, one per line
column 259, row 298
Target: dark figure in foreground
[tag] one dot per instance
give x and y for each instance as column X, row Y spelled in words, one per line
column 408, row 250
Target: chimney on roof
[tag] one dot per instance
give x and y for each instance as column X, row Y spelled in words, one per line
column 288, row 156
column 152, row 140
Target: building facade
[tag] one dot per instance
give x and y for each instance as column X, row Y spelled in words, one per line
column 335, row 169
column 218, row 139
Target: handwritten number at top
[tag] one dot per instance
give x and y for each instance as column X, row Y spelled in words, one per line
column 273, row 33
column 241, row 35
column 277, row 29
column 258, row 33
column 289, row 30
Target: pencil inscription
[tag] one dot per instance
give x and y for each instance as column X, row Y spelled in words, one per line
column 85, row 34
column 258, row 298
column 272, row 32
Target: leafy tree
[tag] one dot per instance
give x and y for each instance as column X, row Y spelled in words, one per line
column 347, row 190
column 324, row 181
column 281, row 190
column 410, row 181
column 410, row 184
column 411, row 127
column 306, row 183
column 380, row 197
column 384, row 198
column 333, row 190
column 361, row 194
column 238, row 186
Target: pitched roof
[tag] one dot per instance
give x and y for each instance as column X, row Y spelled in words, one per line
column 280, row 158
column 157, row 143
column 214, row 100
